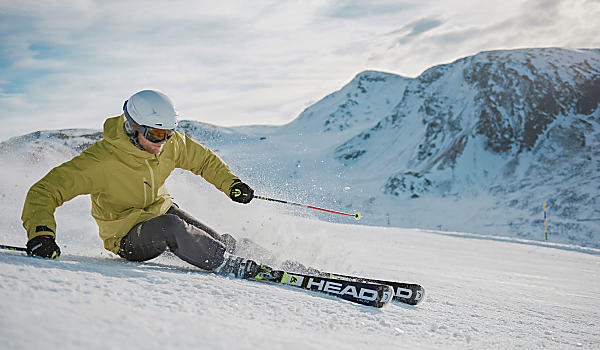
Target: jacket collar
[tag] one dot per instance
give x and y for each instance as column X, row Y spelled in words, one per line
column 115, row 135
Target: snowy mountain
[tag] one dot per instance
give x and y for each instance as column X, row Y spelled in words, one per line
column 519, row 127
column 476, row 145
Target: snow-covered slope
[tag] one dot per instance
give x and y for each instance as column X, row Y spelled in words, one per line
column 481, row 292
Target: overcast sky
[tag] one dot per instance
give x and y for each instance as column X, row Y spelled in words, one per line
column 71, row 64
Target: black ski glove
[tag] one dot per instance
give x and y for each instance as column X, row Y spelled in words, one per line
column 44, row 246
column 240, row 192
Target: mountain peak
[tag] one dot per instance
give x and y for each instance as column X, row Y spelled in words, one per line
column 368, row 97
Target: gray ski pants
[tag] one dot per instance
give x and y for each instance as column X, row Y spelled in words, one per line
column 185, row 236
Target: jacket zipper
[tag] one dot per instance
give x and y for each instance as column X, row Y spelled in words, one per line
column 144, row 185
column 151, row 184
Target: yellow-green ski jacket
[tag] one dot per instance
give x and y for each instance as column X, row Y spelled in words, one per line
column 126, row 184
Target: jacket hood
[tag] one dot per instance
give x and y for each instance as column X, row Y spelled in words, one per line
column 115, row 135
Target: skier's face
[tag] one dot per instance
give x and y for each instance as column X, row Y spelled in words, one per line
column 150, row 147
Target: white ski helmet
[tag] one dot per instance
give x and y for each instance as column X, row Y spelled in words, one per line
column 151, row 108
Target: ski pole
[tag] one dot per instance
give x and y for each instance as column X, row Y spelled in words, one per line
column 9, row 247
column 357, row 216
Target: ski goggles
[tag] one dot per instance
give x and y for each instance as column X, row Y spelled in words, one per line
column 156, row 135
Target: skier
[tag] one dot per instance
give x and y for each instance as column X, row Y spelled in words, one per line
column 125, row 175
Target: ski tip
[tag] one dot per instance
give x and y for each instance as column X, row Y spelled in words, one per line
column 387, row 294
column 357, row 216
column 418, row 296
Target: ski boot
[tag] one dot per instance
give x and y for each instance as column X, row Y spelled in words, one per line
column 238, row 267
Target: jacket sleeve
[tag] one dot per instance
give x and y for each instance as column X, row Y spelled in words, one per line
column 61, row 184
column 201, row 161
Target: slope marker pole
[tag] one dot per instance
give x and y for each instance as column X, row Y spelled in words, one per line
column 545, row 222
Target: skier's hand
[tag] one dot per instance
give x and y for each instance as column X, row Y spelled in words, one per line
column 44, row 246
column 240, row 192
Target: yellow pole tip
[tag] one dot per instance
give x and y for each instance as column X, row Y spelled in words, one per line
column 357, row 216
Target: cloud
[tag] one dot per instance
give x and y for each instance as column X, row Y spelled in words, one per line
column 424, row 25
column 466, row 30
column 353, row 9
column 72, row 63
column 414, row 30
